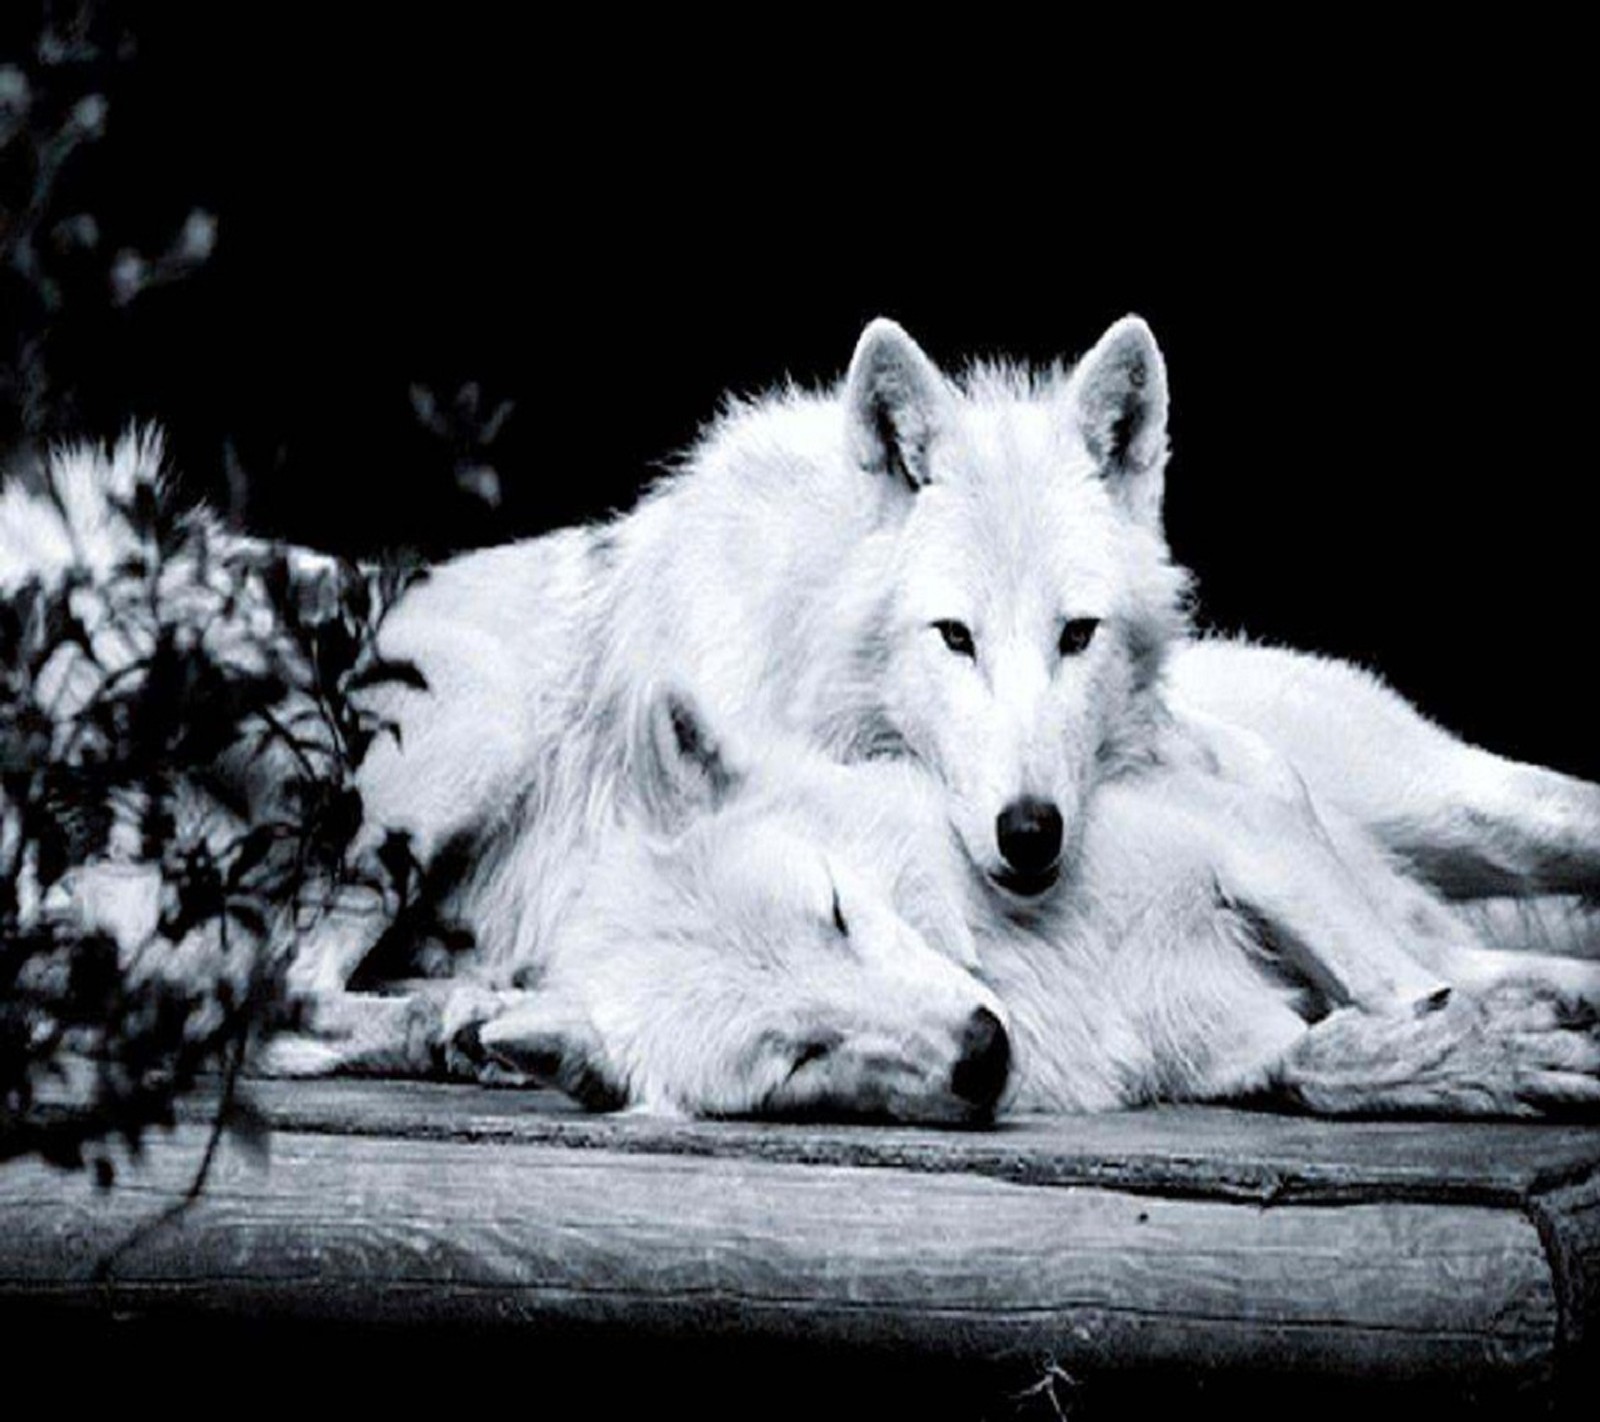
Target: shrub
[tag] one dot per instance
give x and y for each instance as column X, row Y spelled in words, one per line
column 182, row 715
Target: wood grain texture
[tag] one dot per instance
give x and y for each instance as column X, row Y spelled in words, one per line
column 1568, row 1220
column 371, row 1229
column 1189, row 1150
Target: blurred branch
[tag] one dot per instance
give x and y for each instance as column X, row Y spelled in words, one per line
column 180, row 737
column 54, row 105
column 466, row 429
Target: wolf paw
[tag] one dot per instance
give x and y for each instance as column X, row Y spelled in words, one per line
column 467, row 1009
column 549, row 1039
column 1519, row 1048
column 1550, row 1038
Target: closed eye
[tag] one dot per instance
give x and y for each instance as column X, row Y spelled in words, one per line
column 808, row 1053
column 815, row 1050
column 838, row 915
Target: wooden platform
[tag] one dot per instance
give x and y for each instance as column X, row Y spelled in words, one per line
column 1184, row 1243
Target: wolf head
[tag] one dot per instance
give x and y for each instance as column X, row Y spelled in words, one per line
column 1031, row 596
column 743, row 956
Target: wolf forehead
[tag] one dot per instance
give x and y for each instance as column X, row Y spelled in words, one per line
column 1018, row 504
column 1013, row 531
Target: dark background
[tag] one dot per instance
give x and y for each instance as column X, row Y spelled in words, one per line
column 1369, row 266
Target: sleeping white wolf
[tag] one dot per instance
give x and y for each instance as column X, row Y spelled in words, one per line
column 967, row 579
column 693, row 970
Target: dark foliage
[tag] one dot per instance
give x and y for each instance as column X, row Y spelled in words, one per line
column 65, row 270
column 196, row 717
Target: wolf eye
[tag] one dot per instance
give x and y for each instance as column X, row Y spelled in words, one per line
column 838, row 916
column 1077, row 634
column 957, row 637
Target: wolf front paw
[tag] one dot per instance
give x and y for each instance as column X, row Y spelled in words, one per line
column 1550, row 1037
column 1515, row 1049
column 467, row 1010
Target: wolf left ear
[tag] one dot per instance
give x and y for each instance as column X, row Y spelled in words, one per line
column 1119, row 397
column 894, row 401
column 685, row 767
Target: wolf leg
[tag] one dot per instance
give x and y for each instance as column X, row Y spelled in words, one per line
column 332, row 947
column 1567, row 925
column 1328, row 896
column 1467, row 821
column 1276, row 862
column 361, row 1033
column 427, row 1031
column 548, row 1038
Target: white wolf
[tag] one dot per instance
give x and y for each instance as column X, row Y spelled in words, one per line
column 782, row 933
column 736, row 948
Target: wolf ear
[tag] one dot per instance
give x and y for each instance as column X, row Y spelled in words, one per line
column 685, row 768
column 894, row 401
column 550, row 1038
column 1119, row 398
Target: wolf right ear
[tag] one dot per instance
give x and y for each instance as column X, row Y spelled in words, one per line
column 684, row 767
column 894, row 401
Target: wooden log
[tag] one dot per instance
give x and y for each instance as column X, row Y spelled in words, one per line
column 1568, row 1220
column 369, row 1229
column 1191, row 1150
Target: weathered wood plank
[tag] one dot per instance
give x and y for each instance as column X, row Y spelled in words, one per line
column 1176, row 1150
column 1568, row 1219
column 372, row 1230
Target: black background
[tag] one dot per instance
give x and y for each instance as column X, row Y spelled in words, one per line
column 1369, row 266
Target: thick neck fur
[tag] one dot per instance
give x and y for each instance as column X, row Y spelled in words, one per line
column 764, row 573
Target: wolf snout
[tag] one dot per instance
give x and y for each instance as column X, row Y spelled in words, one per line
column 1029, row 831
column 985, row 1062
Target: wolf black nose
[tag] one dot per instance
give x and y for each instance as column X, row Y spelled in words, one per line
column 1029, row 831
column 981, row 1070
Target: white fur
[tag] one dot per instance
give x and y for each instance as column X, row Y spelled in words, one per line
column 43, row 536
column 796, row 591
column 792, row 572
column 1472, row 823
column 649, row 909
